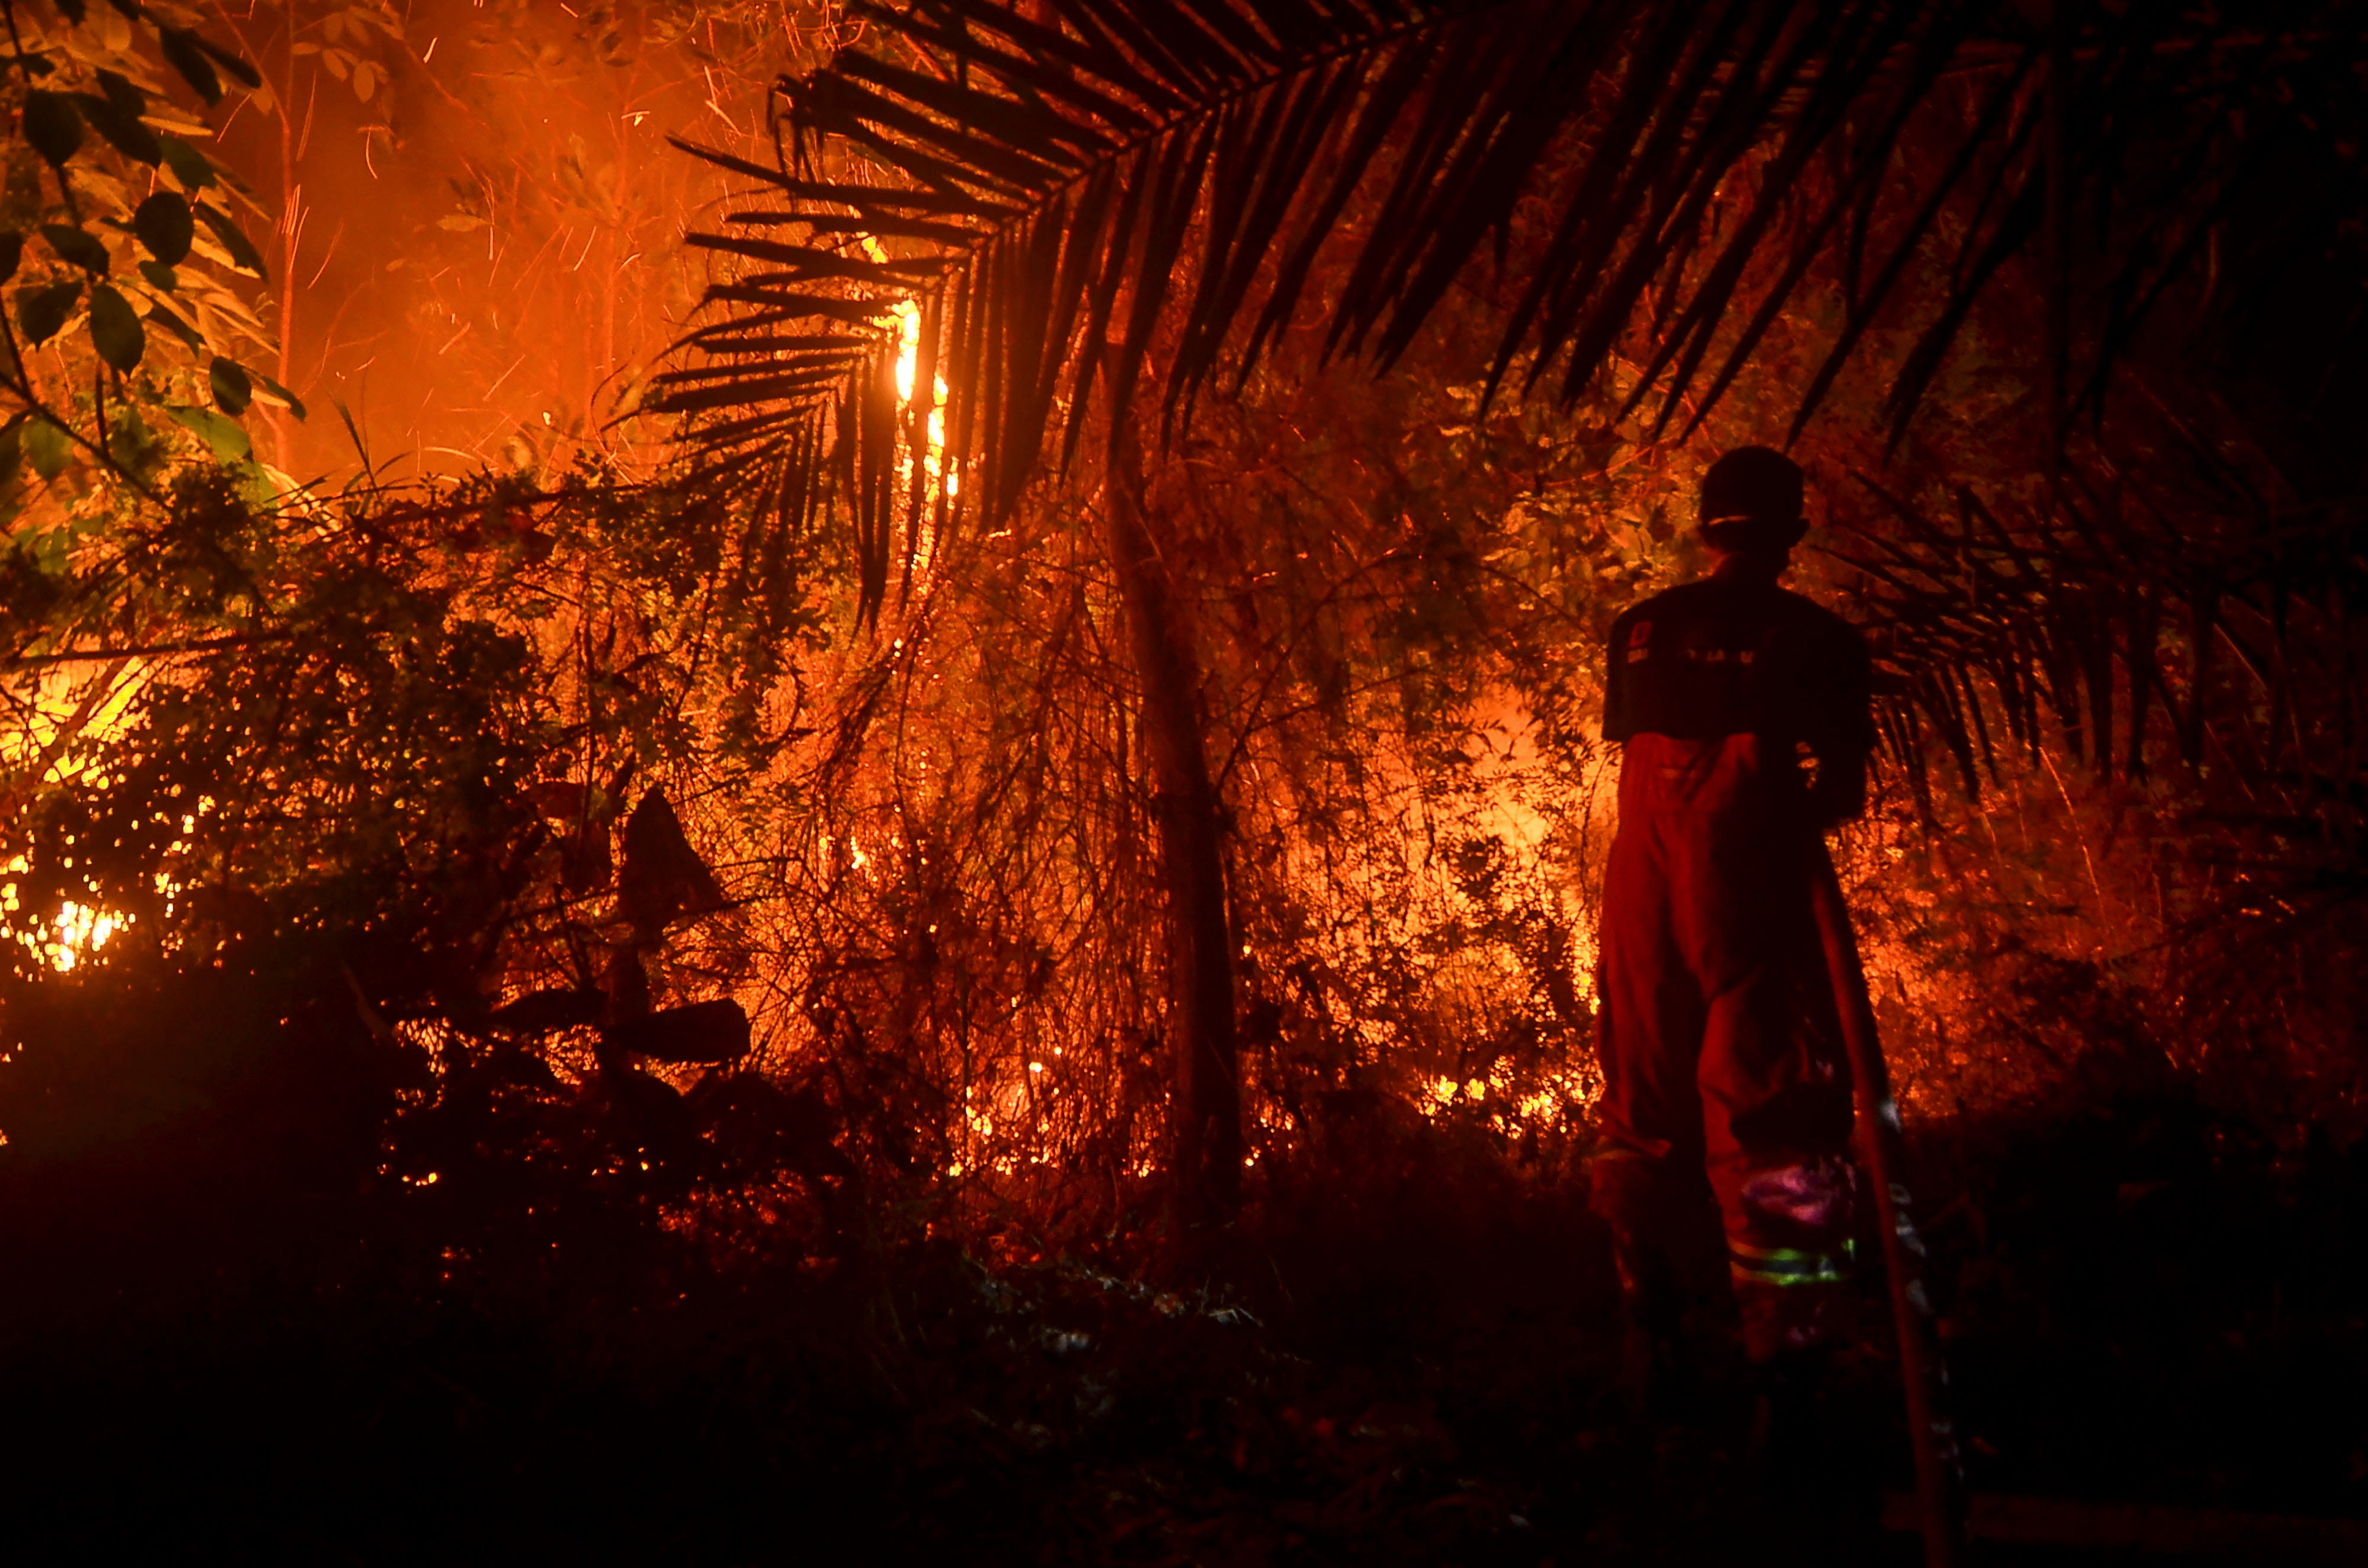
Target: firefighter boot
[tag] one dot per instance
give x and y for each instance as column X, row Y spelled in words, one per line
column 1811, row 1477
column 1788, row 1435
column 1665, row 1240
column 1789, row 1454
column 1658, row 1374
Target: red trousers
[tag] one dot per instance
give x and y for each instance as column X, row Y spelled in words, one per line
column 1721, row 1045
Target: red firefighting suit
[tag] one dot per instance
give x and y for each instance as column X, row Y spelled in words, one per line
column 1721, row 1045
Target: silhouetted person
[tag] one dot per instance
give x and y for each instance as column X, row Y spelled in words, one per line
column 1745, row 713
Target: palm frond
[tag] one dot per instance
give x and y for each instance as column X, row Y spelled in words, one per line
column 1050, row 209
column 2125, row 629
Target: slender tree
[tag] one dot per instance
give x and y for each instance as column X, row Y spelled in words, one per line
column 1189, row 817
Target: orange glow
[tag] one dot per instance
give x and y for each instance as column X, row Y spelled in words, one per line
column 904, row 318
column 59, row 724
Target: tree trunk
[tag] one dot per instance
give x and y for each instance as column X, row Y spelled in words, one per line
column 1208, row 1121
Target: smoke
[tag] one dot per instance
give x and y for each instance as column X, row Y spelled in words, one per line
column 477, row 216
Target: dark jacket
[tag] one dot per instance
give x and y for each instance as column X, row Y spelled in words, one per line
column 1736, row 655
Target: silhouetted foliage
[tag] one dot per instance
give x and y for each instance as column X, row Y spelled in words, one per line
column 604, row 1009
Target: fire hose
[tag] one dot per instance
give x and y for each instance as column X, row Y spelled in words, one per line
column 1939, row 1471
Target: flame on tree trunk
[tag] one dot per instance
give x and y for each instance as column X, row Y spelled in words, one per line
column 1208, row 1121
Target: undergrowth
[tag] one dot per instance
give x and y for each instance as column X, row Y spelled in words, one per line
column 1407, row 1352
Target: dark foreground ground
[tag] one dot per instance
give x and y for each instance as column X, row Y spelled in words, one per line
column 1411, row 1363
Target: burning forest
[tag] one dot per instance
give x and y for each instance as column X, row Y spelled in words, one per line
column 1184, row 781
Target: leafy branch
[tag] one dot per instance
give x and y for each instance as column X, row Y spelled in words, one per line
column 91, row 111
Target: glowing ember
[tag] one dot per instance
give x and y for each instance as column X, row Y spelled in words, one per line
column 58, row 730
column 905, row 316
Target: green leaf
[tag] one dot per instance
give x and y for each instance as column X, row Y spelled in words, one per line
column 233, row 390
column 40, row 312
column 188, row 166
column 46, row 448
column 181, row 51
column 242, row 250
column 52, row 125
column 166, row 227
column 132, row 444
column 12, row 251
column 158, row 275
column 77, row 246
column 228, row 441
column 115, row 329
column 123, row 131
column 295, row 404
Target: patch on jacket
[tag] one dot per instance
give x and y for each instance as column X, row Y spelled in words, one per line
column 1816, row 1193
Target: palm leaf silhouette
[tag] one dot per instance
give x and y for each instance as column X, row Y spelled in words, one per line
column 1049, row 193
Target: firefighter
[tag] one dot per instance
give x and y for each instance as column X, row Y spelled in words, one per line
column 1743, row 711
